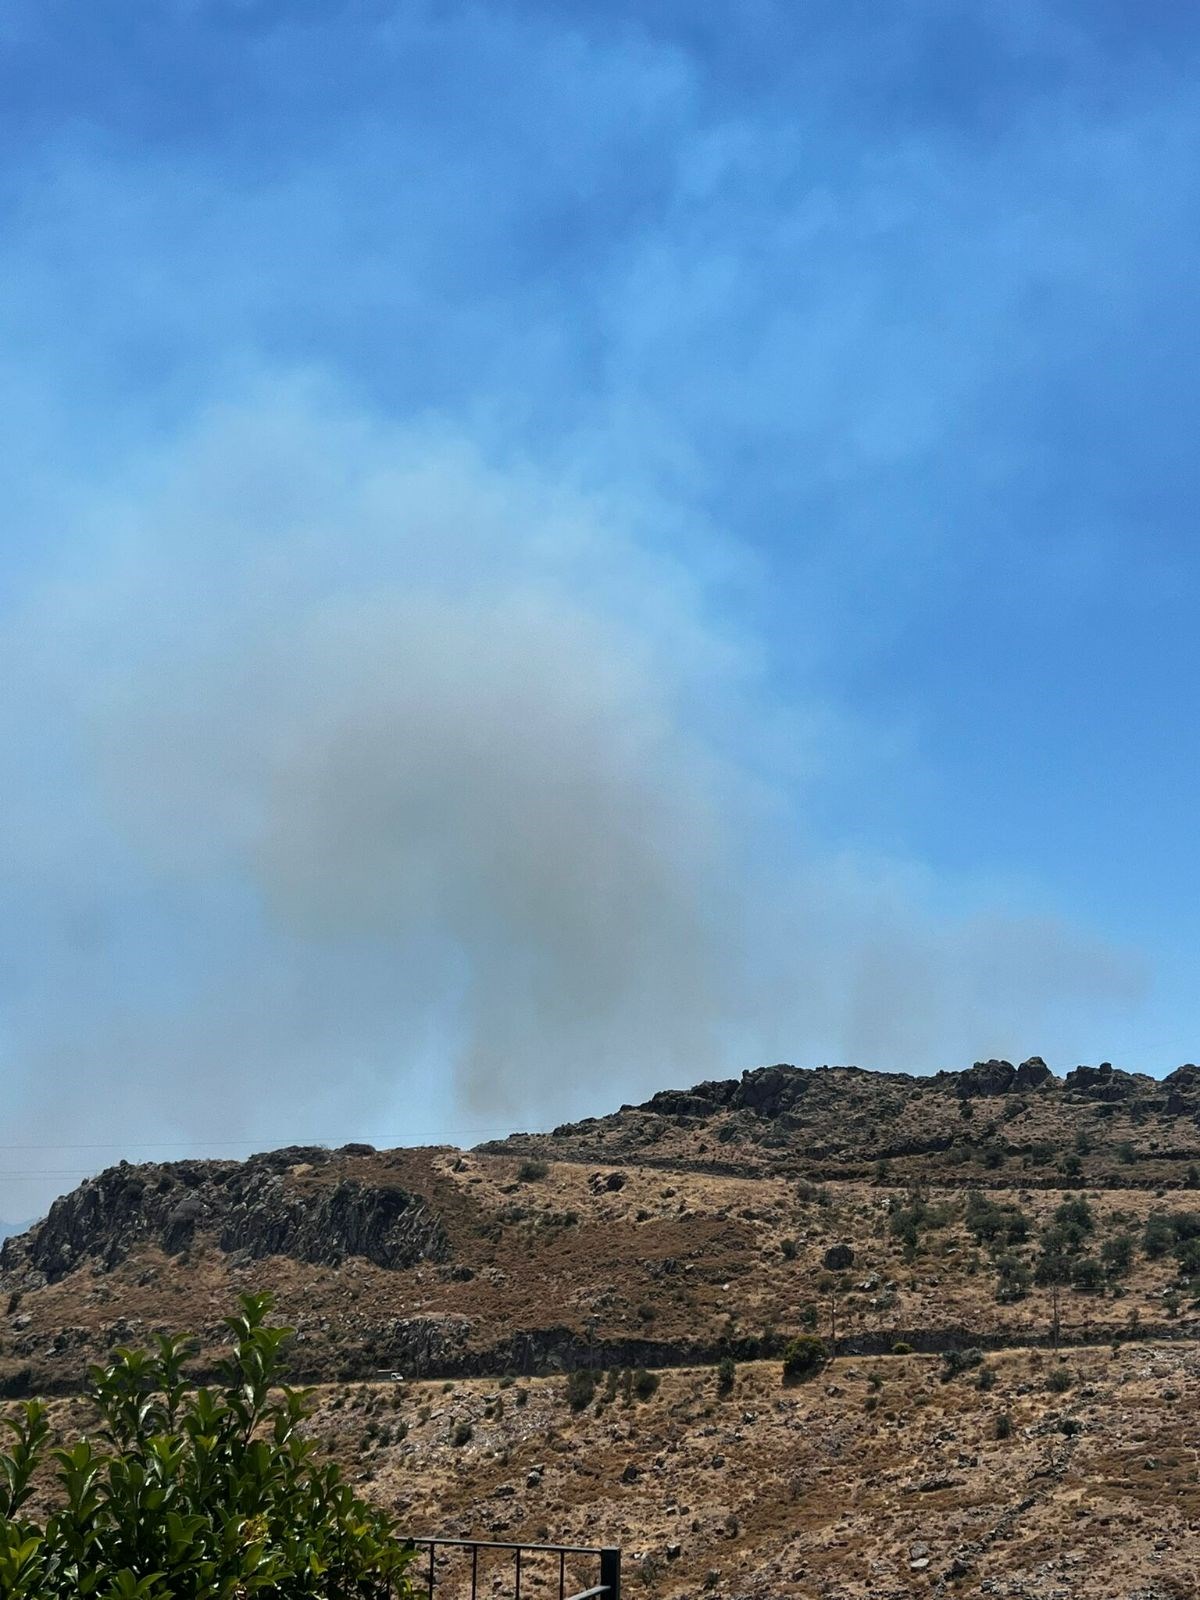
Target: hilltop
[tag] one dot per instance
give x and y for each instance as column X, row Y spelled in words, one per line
column 663, row 1234
column 842, row 1122
column 940, row 1234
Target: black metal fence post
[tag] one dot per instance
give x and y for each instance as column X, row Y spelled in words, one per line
column 610, row 1571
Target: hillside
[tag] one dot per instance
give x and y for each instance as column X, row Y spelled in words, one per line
column 841, row 1122
column 662, row 1234
column 1027, row 1478
column 979, row 1213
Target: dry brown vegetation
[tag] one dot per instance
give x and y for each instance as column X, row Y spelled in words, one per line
column 986, row 1462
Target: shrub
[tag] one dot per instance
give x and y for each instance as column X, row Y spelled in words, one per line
column 1003, row 1428
column 1075, row 1219
column 726, row 1372
column 1158, row 1235
column 1087, row 1273
column 956, row 1361
column 1012, row 1279
column 790, row 1249
column 581, row 1388
column 1117, row 1255
column 1059, row 1380
column 461, row 1434
column 532, row 1171
column 995, row 1224
column 902, row 1348
column 645, row 1383
column 185, row 1494
column 803, row 1356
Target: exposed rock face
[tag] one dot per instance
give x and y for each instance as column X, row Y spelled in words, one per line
column 1032, row 1074
column 1106, row 1082
column 986, row 1077
column 1183, row 1090
column 269, row 1205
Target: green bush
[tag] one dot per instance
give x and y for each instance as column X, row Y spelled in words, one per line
column 645, row 1383
column 1012, row 1278
column 1117, row 1255
column 902, row 1348
column 804, row 1355
column 532, row 1171
column 726, row 1372
column 1059, row 1380
column 184, row 1493
column 955, row 1362
column 1087, row 1273
column 1158, row 1235
column 1003, row 1429
column 994, row 1223
column 581, row 1388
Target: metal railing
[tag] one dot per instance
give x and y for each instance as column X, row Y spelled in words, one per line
column 606, row 1560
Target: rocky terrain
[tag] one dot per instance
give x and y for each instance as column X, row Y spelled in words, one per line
column 841, row 1122
column 1004, row 1264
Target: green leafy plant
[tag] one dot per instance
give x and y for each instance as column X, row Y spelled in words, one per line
column 804, row 1356
column 581, row 1388
column 645, row 1383
column 187, row 1493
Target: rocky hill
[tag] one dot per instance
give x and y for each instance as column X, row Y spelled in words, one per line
column 942, row 1235
column 700, row 1222
column 841, row 1122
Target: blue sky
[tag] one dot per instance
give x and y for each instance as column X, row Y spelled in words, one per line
column 554, row 548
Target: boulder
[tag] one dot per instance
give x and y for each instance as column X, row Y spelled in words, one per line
column 1032, row 1074
column 986, row 1078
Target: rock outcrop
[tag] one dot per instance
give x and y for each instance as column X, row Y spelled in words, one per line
column 293, row 1202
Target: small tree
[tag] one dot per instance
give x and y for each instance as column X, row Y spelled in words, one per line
column 645, row 1383
column 1117, row 1255
column 581, row 1388
column 804, row 1356
column 193, row 1494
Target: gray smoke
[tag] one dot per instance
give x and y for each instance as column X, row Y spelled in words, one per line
column 350, row 770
